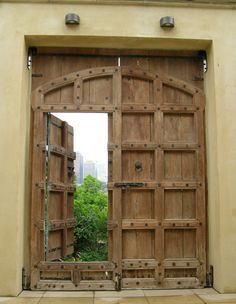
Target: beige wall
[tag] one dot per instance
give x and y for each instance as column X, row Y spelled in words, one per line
column 116, row 27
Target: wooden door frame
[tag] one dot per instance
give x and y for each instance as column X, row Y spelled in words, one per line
column 39, row 108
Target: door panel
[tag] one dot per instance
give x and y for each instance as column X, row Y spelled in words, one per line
column 137, row 127
column 179, row 128
column 58, row 189
column 156, row 212
column 138, row 204
column 136, row 90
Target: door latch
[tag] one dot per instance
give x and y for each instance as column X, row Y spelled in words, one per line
column 129, row 184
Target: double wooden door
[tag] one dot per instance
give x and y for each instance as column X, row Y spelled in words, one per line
column 156, row 183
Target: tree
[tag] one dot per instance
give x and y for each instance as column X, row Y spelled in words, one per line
column 90, row 209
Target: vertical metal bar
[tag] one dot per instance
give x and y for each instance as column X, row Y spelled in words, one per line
column 46, row 185
column 65, row 181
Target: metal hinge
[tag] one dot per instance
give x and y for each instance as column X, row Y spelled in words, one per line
column 202, row 54
column 25, row 280
column 32, row 51
column 118, row 281
column 210, row 277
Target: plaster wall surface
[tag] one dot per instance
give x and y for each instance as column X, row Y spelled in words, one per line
column 116, row 26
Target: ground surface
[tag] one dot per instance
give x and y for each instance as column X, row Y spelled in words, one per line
column 196, row 296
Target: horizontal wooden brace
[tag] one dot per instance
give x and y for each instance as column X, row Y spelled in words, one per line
column 178, row 185
column 176, row 223
column 59, row 150
column 104, row 108
column 152, row 146
column 69, row 107
column 97, row 108
column 86, row 266
column 127, row 53
column 152, row 224
column 140, row 224
column 170, row 108
column 179, row 146
column 57, row 224
column 139, row 283
column 148, row 185
column 181, row 185
column 139, row 263
column 181, row 283
column 145, row 108
column 181, row 263
column 138, row 146
column 133, row 146
column 82, row 285
column 57, row 187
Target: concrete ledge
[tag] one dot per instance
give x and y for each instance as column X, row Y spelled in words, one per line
column 227, row 4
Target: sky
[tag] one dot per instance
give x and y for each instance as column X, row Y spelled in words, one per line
column 90, row 134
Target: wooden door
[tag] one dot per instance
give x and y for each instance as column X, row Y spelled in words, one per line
column 161, row 183
column 157, row 218
column 54, row 190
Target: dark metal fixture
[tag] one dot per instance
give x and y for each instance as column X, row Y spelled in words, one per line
column 167, row 21
column 72, row 19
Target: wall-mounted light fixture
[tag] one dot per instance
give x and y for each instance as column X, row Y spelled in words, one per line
column 167, row 21
column 72, row 19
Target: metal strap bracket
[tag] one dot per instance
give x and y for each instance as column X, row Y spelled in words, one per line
column 129, row 184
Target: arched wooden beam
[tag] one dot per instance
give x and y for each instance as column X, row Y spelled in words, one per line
column 77, row 80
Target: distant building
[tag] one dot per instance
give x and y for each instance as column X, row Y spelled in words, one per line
column 102, row 172
column 79, row 168
column 90, row 169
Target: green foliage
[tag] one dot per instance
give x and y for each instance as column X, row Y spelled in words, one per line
column 90, row 209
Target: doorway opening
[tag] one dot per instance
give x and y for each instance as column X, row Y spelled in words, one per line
column 87, row 207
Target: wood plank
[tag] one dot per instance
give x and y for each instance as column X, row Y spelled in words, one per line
column 36, row 209
column 86, row 285
column 181, row 283
column 135, row 283
column 139, row 224
column 139, row 263
column 181, row 263
column 87, row 52
column 88, row 266
column 117, row 173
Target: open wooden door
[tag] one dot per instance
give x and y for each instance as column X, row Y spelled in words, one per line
column 54, row 191
column 59, row 219
column 52, row 199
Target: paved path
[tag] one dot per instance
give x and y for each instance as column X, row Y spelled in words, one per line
column 189, row 296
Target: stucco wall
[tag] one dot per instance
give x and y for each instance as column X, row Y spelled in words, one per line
column 117, row 27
